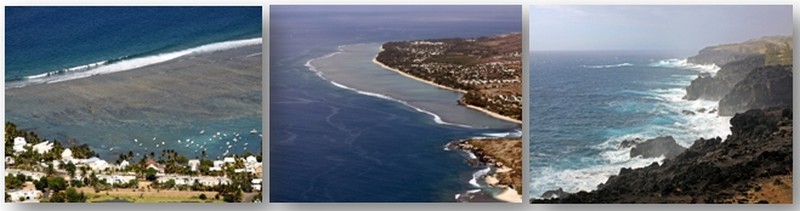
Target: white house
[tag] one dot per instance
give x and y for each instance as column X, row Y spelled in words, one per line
column 43, row 147
column 122, row 165
column 256, row 183
column 96, row 164
column 229, row 160
column 194, row 165
column 19, row 144
column 217, row 165
column 66, row 156
column 251, row 163
column 9, row 160
column 27, row 193
column 116, row 179
column 213, row 181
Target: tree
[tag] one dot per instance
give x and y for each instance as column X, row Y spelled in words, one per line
column 70, row 167
column 58, row 197
column 169, row 184
column 202, row 196
column 74, row 196
column 40, row 184
column 56, row 184
column 13, row 182
column 151, row 174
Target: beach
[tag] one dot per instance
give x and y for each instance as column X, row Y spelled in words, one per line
column 214, row 91
column 490, row 113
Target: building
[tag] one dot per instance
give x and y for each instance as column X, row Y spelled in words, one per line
column 229, row 160
column 116, row 179
column 43, row 147
column 123, row 165
column 96, row 164
column 28, row 193
column 218, row 164
column 66, row 155
column 213, row 181
column 256, row 184
column 194, row 165
column 19, row 144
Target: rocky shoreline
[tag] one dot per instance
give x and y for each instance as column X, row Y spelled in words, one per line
column 752, row 165
column 487, row 69
column 504, row 155
column 749, row 166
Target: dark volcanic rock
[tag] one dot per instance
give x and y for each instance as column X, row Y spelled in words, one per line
column 629, row 143
column 714, row 88
column 688, row 112
column 710, row 171
column 763, row 87
column 555, row 194
column 656, row 147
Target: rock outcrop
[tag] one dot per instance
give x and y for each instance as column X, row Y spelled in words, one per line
column 657, row 147
column 755, row 160
column 505, row 154
column 714, row 88
column 763, row 87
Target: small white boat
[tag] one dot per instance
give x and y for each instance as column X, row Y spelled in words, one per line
column 135, row 140
column 254, row 131
column 202, row 132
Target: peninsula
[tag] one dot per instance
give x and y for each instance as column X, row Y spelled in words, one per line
column 488, row 70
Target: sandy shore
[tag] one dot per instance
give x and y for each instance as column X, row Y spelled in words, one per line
column 495, row 115
column 509, row 195
column 490, row 113
column 375, row 60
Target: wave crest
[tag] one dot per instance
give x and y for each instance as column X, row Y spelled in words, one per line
column 608, row 66
column 126, row 63
column 685, row 64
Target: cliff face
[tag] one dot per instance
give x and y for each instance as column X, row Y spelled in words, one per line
column 763, row 87
column 723, row 54
column 489, row 69
column 714, row 88
column 753, row 165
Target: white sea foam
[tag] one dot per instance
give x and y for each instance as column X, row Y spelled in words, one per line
column 311, row 67
column 584, row 179
column 515, row 133
column 669, row 105
column 685, row 64
column 608, row 66
column 477, row 175
column 104, row 67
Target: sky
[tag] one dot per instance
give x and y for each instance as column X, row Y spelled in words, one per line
column 652, row 27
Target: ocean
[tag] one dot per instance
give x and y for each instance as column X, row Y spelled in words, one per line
column 58, row 61
column 45, row 43
column 344, row 130
column 584, row 104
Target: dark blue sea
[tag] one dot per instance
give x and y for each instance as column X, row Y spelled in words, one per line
column 59, row 40
column 59, row 44
column 584, row 104
column 333, row 140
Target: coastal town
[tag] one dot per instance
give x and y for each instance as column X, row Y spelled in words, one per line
column 41, row 170
column 488, row 70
